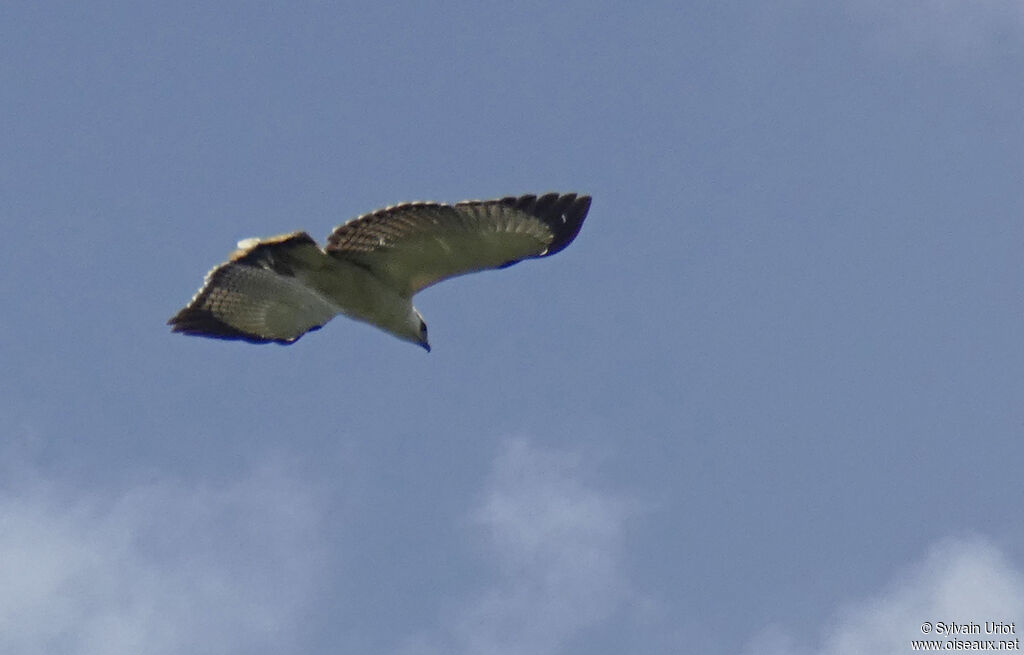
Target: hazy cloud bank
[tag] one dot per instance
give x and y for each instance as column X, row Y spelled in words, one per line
column 961, row 580
column 160, row 567
column 555, row 544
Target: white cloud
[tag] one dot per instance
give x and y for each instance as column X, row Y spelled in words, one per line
column 961, row 580
column 160, row 567
column 962, row 29
column 556, row 544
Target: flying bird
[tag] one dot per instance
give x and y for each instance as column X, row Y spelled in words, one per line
column 277, row 289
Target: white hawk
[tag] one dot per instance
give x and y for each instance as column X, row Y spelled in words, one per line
column 277, row 289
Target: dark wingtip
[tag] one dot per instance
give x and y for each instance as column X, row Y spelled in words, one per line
column 202, row 323
column 563, row 213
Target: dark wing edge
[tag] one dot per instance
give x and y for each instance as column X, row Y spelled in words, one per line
column 196, row 320
column 562, row 213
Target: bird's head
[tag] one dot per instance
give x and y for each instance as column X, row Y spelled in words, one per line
column 413, row 329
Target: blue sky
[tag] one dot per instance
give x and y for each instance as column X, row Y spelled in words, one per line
column 770, row 400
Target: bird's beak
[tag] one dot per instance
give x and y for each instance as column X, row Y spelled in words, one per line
column 426, row 346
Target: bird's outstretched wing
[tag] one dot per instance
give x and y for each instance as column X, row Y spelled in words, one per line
column 263, row 293
column 414, row 245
